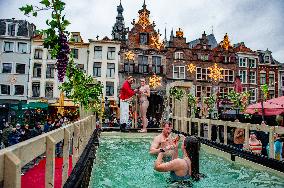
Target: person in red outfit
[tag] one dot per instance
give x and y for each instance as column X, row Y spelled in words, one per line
column 125, row 95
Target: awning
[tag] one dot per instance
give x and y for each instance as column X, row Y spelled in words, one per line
column 32, row 106
column 271, row 107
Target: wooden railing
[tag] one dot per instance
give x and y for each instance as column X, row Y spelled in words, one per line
column 13, row 158
column 183, row 123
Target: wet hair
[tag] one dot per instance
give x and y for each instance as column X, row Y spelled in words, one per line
column 192, row 147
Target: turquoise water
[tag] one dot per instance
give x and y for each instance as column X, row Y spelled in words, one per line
column 125, row 162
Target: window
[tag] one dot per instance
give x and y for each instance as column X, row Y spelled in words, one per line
column 19, row 89
column 245, row 89
column 49, row 90
column 223, row 91
column 198, row 91
column 7, row 68
column 266, row 59
column 22, row 47
column 75, row 53
column 5, row 89
column 49, row 55
column 97, row 69
column 202, row 57
column 252, row 77
column 208, row 91
column 8, row 46
column 198, row 73
column 205, row 73
column 76, row 38
column 143, row 38
column 110, row 70
column 37, row 70
column 12, row 29
column 111, row 53
column 142, row 64
column 271, row 79
column 36, row 89
column 157, row 64
column 20, row 68
column 38, row 54
column 271, row 94
column 242, row 62
column 109, row 88
column 243, row 76
column 282, row 80
column 179, row 72
column 228, row 75
column 252, row 63
column 178, row 55
column 50, row 71
column 129, row 67
column 98, row 52
column 253, row 94
column 262, row 78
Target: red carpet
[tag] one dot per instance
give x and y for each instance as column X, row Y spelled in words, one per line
column 35, row 177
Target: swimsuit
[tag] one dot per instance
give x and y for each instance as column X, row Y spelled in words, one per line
column 175, row 177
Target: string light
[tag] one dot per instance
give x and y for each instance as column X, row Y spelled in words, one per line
column 156, row 43
column 129, row 56
column 144, row 20
column 191, row 68
column 155, row 81
column 215, row 72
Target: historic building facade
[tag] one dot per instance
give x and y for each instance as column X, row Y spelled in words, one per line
column 248, row 63
column 103, row 65
column 143, row 55
column 15, row 45
column 268, row 71
column 43, row 82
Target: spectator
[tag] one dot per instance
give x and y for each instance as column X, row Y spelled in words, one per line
column 13, row 137
column 277, row 147
column 37, row 130
column 57, row 125
column 5, row 134
column 255, row 145
column 47, row 126
column 26, row 133
column 239, row 138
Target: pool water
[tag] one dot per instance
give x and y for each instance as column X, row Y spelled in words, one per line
column 125, row 162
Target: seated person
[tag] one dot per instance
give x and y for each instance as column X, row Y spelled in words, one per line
column 164, row 142
column 239, row 138
column 182, row 169
column 277, row 147
column 255, row 145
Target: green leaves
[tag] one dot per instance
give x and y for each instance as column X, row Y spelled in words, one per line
column 176, row 93
column 45, row 3
column 27, row 9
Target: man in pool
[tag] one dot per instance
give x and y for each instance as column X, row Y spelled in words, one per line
column 165, row 143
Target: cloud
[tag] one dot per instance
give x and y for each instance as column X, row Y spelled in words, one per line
column 257, row 23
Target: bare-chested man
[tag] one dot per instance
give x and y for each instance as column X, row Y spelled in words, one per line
column 165, row 143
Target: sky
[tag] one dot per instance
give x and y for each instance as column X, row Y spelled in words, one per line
column 257, row 23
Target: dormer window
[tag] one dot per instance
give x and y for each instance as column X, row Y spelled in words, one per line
column 143, row 38
column 76, row 38
column 266, row 59
column 11, row 29
column 179, row 55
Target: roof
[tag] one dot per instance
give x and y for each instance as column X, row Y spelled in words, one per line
column 211, row 41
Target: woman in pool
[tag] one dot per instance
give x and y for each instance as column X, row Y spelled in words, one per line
column 182, row 169
column 144, row 92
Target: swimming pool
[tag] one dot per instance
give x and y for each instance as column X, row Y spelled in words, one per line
column 123, row 161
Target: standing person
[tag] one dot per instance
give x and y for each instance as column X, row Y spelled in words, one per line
column 277, row 147
column 13, row 137
column 239, row 138
column 126, row 93
column 5, row 133
column 144, row 92
column 26, row 133
column 255, row 145
column 47, row 126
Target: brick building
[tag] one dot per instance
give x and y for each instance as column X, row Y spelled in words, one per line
column 268, row 71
